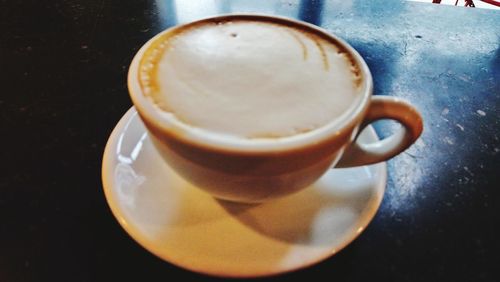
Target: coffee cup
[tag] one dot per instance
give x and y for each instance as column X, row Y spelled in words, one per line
column 251, row 107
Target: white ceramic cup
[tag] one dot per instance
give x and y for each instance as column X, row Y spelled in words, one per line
column 260, row 171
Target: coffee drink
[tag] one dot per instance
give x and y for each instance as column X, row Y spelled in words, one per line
column 251, row 107
column 249, row 78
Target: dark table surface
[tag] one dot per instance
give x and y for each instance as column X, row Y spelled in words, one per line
column 63, row 71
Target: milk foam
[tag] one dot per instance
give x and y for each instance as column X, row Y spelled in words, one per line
column 249, row 79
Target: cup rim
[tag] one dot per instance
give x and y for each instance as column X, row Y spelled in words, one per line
column 206, row 139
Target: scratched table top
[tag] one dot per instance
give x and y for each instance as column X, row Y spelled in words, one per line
column 63, row 76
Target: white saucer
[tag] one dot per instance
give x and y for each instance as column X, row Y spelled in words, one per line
column 185, row 226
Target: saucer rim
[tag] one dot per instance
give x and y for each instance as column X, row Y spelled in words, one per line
column 135, row 233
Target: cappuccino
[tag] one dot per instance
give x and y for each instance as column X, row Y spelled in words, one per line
column 252, row 107
column 249, row 78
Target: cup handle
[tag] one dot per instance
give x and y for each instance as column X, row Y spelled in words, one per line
column 384, row 107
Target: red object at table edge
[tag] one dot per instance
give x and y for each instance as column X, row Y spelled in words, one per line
column 492, row 2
